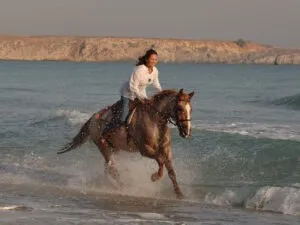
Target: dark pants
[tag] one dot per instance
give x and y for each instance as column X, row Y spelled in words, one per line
column 125, row 108
column 124, row 114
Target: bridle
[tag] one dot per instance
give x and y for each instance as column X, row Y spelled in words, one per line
column 168, row 118
column 178, row 121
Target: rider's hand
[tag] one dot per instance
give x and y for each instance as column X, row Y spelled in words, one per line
column 142, row 100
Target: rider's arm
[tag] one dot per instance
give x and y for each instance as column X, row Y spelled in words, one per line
column 156, row 84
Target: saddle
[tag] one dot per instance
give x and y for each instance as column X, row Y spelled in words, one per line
column 115, row 115
column 112, row 114
column 116, row 111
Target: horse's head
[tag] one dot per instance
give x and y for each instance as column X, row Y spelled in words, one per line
column 182, row 113
column 175, row 105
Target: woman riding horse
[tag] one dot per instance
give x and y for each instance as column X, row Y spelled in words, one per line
column 145, row 73
column 148, row 131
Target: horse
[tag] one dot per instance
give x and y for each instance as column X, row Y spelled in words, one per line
column 147, row 132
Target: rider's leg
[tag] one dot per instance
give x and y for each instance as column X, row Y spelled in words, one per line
column 115, row 123
column 125, row 109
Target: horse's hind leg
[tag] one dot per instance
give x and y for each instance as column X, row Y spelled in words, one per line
column 109, row 162
column 172, row 175
column 159, row 174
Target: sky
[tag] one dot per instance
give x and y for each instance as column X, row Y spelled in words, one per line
column 275, row 22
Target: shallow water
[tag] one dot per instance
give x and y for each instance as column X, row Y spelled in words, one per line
column 241, row 166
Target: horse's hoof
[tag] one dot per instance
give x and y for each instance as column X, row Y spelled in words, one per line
column 179, row 196
column 121, row 185
column 155, row 177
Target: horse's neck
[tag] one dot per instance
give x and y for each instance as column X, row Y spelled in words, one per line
column 165, row 106
column 160, row 110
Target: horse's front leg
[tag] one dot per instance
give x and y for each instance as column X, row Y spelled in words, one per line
column 151, row 151
column 172, row 175
column 159, row 174
column 110, row 167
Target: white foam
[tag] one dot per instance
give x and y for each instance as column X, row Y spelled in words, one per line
column 273, row 131
column 284, row 200
column 296, row 185
column 135, row 174
column 258, row 130
column 9, row 207
column 276, row 199
column 227, row 198
column 152, row 216
column 14, row 207
column 74, row 116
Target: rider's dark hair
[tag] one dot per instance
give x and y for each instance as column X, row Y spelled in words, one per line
column 143, row 59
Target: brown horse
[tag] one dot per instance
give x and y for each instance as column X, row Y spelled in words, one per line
column 147, row 132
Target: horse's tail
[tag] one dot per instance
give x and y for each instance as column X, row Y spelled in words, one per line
column 79, row 139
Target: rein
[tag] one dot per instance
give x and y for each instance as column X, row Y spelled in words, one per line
column 168, row 118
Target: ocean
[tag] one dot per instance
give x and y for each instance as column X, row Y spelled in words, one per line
column 241, row 165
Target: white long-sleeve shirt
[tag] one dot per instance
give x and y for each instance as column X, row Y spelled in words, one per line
column 139, row 80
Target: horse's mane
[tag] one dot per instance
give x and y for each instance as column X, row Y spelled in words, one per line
column 162, row 94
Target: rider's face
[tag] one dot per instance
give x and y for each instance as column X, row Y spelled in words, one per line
column 152, row 61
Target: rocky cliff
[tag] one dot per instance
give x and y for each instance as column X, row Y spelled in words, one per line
column 120, row 49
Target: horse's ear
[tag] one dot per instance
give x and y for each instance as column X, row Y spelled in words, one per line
column 191, row 94
column 181, row 91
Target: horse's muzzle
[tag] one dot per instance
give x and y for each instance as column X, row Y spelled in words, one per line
column 184, row 133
